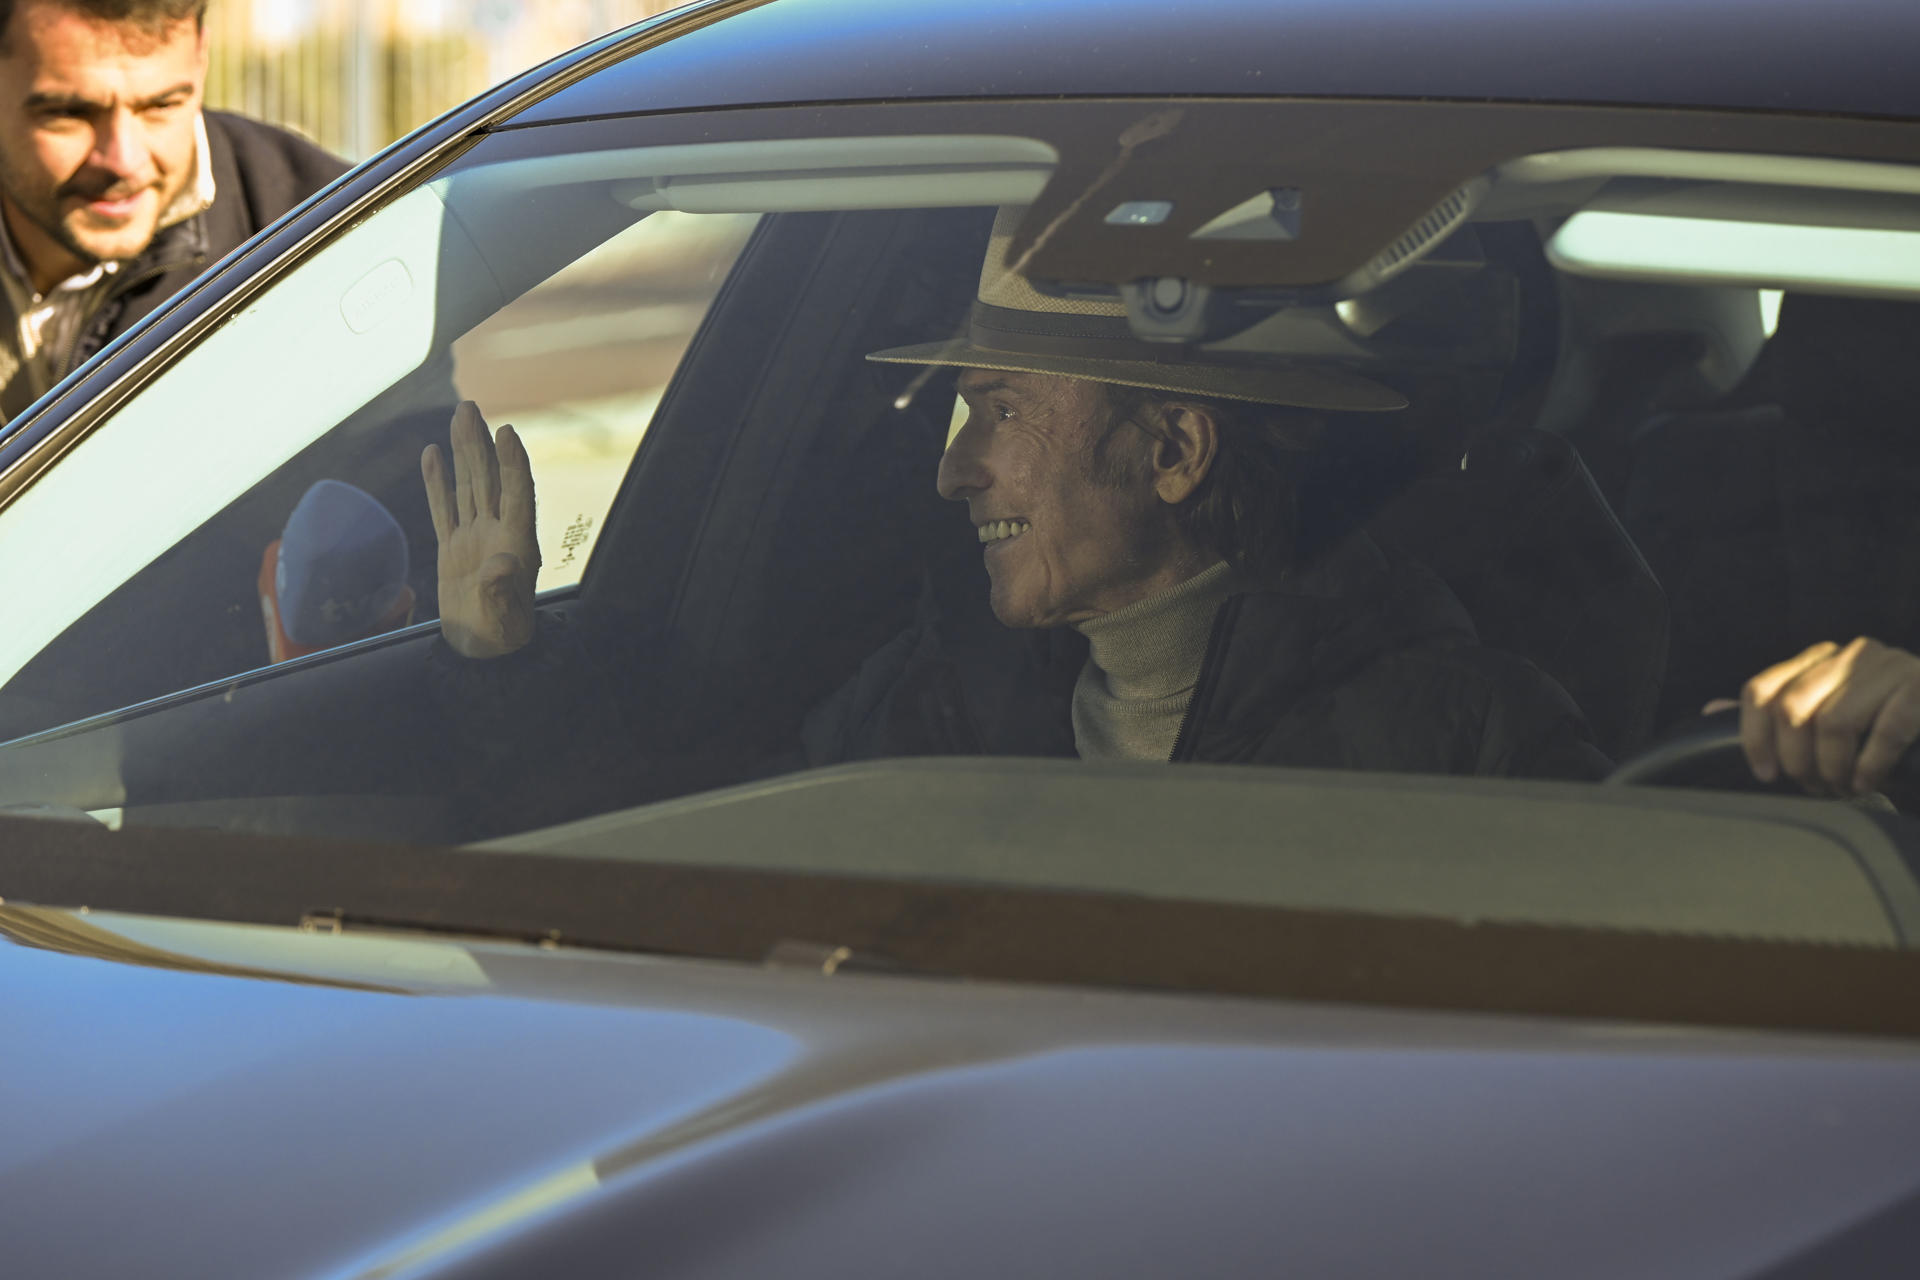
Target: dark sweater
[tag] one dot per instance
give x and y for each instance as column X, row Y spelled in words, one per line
column 1362, row 663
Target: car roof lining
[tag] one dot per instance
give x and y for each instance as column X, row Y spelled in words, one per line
column 1370, row 172
column 1367, row 171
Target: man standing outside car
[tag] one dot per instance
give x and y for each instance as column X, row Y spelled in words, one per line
column 116, row 187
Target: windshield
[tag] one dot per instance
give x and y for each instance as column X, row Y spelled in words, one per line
column 1289, row 503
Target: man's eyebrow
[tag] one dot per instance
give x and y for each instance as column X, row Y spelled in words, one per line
column 987, row 388
column 80, row 102
column 62, row 102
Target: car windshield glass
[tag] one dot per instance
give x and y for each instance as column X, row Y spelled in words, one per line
column 1272, row 502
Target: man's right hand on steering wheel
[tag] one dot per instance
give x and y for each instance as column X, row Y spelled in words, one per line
column 1835, row 718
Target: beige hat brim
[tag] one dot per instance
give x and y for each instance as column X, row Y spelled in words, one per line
column 1294, row 385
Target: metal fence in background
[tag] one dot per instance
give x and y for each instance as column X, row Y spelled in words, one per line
column 355, row 74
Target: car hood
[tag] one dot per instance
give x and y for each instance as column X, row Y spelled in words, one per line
column 203, row 1099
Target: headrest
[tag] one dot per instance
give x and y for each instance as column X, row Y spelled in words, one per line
column 1527, row 542
column 1848, row 366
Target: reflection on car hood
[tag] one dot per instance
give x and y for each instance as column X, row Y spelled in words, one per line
column 236, row 1100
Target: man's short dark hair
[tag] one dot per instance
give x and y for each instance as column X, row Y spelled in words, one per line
column 1247, row 508
column 151, row 16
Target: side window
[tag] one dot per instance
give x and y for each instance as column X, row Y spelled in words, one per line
column 578, row 365
column 261, row 497
column 265, row 491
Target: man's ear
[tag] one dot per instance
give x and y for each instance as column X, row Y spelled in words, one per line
column 1184, row 450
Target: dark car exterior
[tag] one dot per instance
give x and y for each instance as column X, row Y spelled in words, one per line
column 948, row 1016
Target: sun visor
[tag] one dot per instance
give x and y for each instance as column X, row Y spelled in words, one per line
column 788, row 174
column 1798, row 239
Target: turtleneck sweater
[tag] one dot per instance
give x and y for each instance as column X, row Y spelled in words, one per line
column 1145, row 659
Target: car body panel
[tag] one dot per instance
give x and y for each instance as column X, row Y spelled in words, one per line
column 194, row 1098
column 1774, row 55
column 387, row 1104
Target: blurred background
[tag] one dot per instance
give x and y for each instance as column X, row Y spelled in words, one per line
column 578, row 363
column 355, row 74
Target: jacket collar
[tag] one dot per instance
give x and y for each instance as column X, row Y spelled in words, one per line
column 1272, row 647
column 1311, row 630
column 179, row 245
column 182, row 234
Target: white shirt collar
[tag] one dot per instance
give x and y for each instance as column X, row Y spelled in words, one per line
column 197, row 196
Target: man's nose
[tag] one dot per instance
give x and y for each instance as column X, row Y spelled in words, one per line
column 120, row 144
column 962, row 472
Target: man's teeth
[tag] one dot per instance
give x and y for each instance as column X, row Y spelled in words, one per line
column 995, row 530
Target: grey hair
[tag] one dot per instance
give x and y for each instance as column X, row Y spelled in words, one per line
column 1247, row 507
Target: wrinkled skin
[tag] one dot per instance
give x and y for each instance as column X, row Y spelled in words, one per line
column 97, row 134
column 1097, row 543
column 1036, row 448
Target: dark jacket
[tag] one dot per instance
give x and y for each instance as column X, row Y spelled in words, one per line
column 259, row 173
column 1360, row 663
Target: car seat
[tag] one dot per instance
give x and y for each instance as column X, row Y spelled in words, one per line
column 1629, row 350
column 1523, row 536
column 1778, row 525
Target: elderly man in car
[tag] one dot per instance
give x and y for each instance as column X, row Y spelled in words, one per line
column 1137, row 519
column 1136, row 516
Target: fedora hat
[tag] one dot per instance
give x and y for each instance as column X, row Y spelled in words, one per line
column 1015, row 327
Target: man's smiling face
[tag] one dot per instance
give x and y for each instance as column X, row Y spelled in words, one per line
column 1063, row 498
column 97, row 133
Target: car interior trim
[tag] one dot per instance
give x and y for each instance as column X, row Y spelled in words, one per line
column 994, row 934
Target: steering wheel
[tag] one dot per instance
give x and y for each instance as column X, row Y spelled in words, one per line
column 1706, row 752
